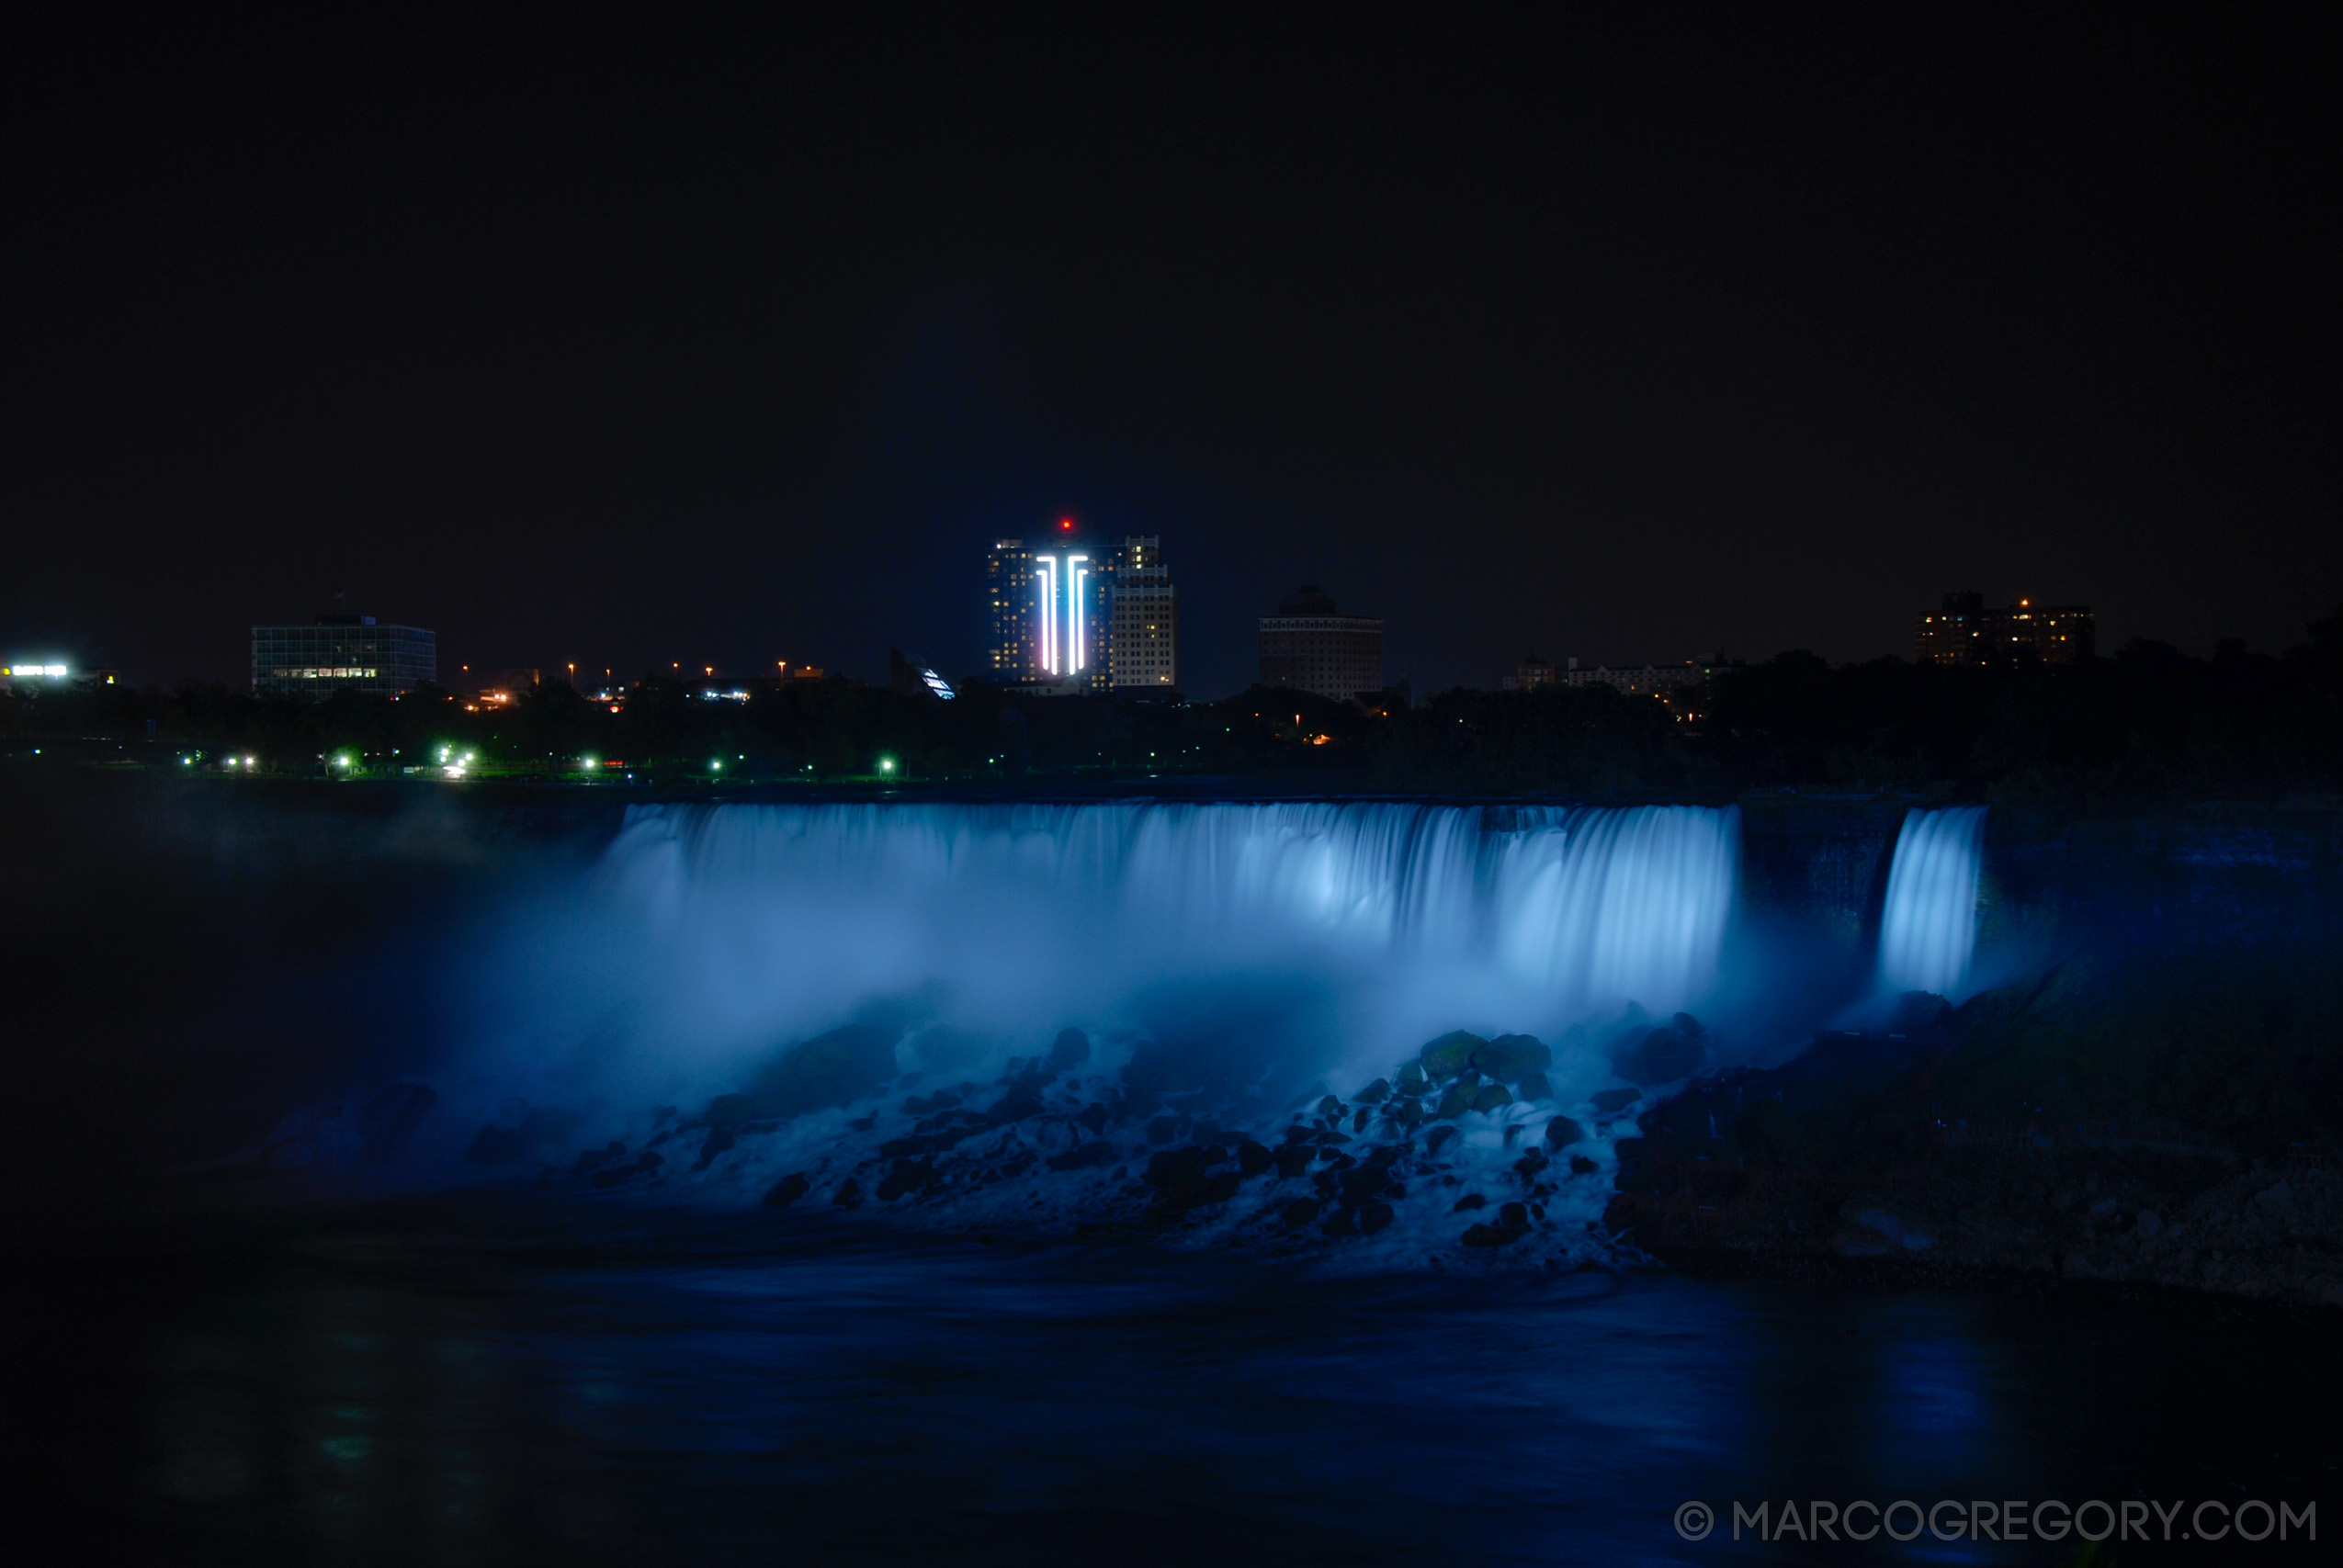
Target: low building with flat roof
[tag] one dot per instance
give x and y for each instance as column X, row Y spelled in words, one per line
column 343, row 653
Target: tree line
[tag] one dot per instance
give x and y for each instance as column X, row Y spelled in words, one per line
column 2147, row 722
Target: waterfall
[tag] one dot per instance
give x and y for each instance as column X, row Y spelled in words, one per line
column 1928, row 929
column 748, row 923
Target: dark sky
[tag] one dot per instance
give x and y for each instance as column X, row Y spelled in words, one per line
column 1626, row 334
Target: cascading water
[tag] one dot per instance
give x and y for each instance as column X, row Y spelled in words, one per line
column 1928, row 930
column 839, row 985
column 779, row 917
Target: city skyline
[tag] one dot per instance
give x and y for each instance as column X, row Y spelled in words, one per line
column 1709, row 340
column 1947, row 633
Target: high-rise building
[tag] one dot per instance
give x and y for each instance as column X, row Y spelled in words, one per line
column 1965, row 632
column 343, row 653
column 1143, row 618
column 1309, row 647
column 1043, row 604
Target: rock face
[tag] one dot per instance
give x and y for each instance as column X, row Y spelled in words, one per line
column 1677, row 1049
column 836, row 1068
column 1885, row 1151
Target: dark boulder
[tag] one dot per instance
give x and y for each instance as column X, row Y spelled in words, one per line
column 1254, row 1157
column 787, row 1190
column 1562, row 1131
column 1071, row 1049
column 1357, row 1186
column 1510, row 1058
column 719, row 1141
column 1342, row 1222
column 1184, row 1179
column 1375, row 1093
column 730, row 1111
column 1514, row 1216
column 1495, row 1096
column 1535, row 1086
column 1094, row 1117
column 1299, row 1212
column 1437, row 1140
column 848, row 1196
column 1581, row 1165
column 1450, row 1054
column 909, row 1176
column 1469, row 1200
column 1097, row 1152
column 1294, row 1158
column 1666, row 1054
column 1490, row 1236
column 1163, row 1129
column 836, row 1068
column 1616, row 1099
column 1374, row 1217
column 1452, row 1104
column 1412, row 1080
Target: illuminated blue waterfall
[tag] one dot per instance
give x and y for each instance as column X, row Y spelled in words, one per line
column 733, row 924
column 1928, row 929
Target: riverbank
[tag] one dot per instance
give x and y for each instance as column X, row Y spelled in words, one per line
column 2013, row 1142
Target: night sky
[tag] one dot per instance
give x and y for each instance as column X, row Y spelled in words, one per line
column 1626, row 335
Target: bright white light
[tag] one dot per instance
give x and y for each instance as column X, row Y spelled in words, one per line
column 587, row 761
column 717, row 767
column 1048, row 567
column 37, row 669
column 886, row 764
column 1075, row 582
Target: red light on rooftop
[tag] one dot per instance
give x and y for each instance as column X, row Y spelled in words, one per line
column 1066, row 522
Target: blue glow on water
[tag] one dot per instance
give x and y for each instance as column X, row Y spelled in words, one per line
column 1927, row 931
column 711, row 931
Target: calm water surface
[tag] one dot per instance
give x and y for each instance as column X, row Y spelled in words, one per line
column 510, row 1381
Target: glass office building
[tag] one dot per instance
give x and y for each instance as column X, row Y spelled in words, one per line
column 343, row 653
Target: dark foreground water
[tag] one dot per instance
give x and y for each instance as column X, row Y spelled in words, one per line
column 509, row 1380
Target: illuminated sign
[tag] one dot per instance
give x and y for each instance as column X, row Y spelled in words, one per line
column 1072, row 656
column 30, row 670
column 1046, row 576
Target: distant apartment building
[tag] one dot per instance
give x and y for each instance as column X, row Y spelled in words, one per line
column 1308, row 645
column 1143, row 620
column 1644, row 681
column 343, row 653
column 1532, row 674
column 1964, row 631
